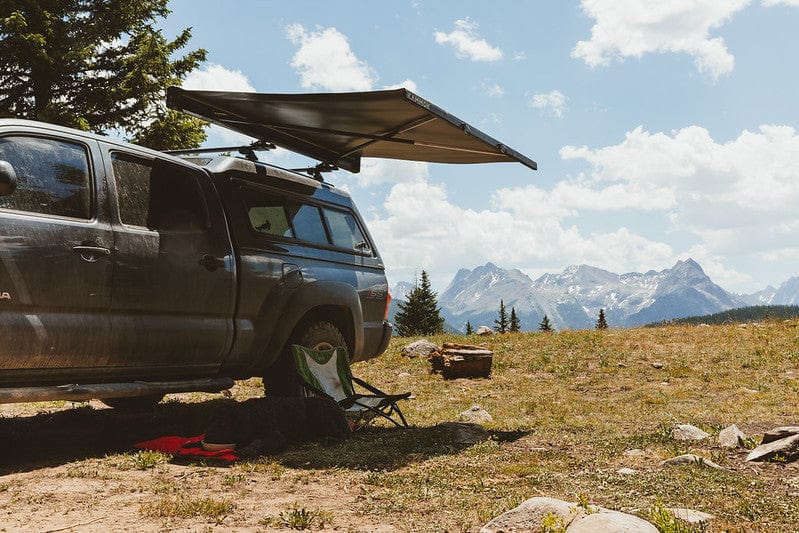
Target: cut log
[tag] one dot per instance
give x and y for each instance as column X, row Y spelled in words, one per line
column 456, row 360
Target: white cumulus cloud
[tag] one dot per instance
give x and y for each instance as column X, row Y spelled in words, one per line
column 553, row 102
column 466, row 42
column 632, row 28
column 376, row 171
column 736, row 197
column 770, row 3
column 407, row 84
column 324, row 60
column 422, row 228
column 217, row 78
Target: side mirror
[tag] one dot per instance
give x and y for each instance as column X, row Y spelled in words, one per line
column 8, row 178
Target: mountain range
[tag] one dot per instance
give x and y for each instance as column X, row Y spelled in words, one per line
column 573, row 298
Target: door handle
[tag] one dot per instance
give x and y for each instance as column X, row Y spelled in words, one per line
column 211, row 263
column 90, row 253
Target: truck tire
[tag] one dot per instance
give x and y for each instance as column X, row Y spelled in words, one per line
column 281, row 378
column 134, row 403
column 322, row 336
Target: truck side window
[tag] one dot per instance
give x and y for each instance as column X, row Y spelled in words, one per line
column 271, row 214
column 157, row 195
column 343, row 229
column 267, row 213
column 52, row 176
column 308, row 224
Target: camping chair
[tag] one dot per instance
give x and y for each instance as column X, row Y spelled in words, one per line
column 327, row 373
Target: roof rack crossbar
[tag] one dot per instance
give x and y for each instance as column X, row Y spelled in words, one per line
column 316, row 171
column 247, row 151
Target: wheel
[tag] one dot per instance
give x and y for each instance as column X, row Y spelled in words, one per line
column 133, row 403
column 281, row 378
column 322, row 336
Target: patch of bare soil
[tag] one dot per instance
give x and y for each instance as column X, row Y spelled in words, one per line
column 71, row 468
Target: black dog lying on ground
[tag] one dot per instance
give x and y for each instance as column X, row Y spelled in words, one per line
column 263, row 426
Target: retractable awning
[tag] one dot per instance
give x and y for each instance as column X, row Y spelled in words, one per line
column 341, row 128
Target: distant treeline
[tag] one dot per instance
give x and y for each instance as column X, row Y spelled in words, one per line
column 737, row 316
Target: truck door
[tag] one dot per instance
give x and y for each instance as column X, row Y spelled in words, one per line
column 55, row 258
column 173, row 291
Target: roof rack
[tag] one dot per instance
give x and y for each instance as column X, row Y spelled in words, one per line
column 248, row 151
column 316, row 171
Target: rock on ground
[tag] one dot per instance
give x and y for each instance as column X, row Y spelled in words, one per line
column 420, row 348
column 731, row 437
column 531, row 514
column 484, row 330
column 786, row 448
column 611, row 522
column 476, row 415
column 779, row 433
column 688, row 432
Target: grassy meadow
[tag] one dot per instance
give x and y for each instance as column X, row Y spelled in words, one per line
column 569, row 409
column 566, row 406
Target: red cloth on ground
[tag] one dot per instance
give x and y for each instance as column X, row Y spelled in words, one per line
column 186, row 448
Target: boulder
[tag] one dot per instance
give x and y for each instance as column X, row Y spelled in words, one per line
column 779, row 433
column 611, row 522
column 420, row 348
column 484, row 330
column 476, row 415
column 732, row 437
column 688, row 432
column 530, row 513
column 786, row 448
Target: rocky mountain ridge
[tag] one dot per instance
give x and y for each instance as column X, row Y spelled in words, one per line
column 572, row 299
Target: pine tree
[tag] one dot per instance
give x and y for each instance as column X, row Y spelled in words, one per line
column 515, row 326
column 96, row 65
column 545, row 326
column 601, row 323
column 420, row 314
column 502, row 321
column 469, row 330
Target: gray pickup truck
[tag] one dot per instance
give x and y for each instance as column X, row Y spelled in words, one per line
column 127, row 273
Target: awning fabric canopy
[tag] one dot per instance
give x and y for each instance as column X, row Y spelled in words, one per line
column 340, row 128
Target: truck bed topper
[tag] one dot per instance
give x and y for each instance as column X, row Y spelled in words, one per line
column 338, row 129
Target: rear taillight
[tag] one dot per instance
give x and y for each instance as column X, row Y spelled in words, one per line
column 388, row 303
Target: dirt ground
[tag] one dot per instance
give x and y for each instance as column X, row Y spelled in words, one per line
column 69, row 467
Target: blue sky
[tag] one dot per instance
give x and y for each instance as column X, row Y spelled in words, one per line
column 662, row 130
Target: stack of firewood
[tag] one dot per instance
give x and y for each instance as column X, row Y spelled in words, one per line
column 455, row 360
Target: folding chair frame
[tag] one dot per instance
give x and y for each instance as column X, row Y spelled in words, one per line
column 386, row 408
